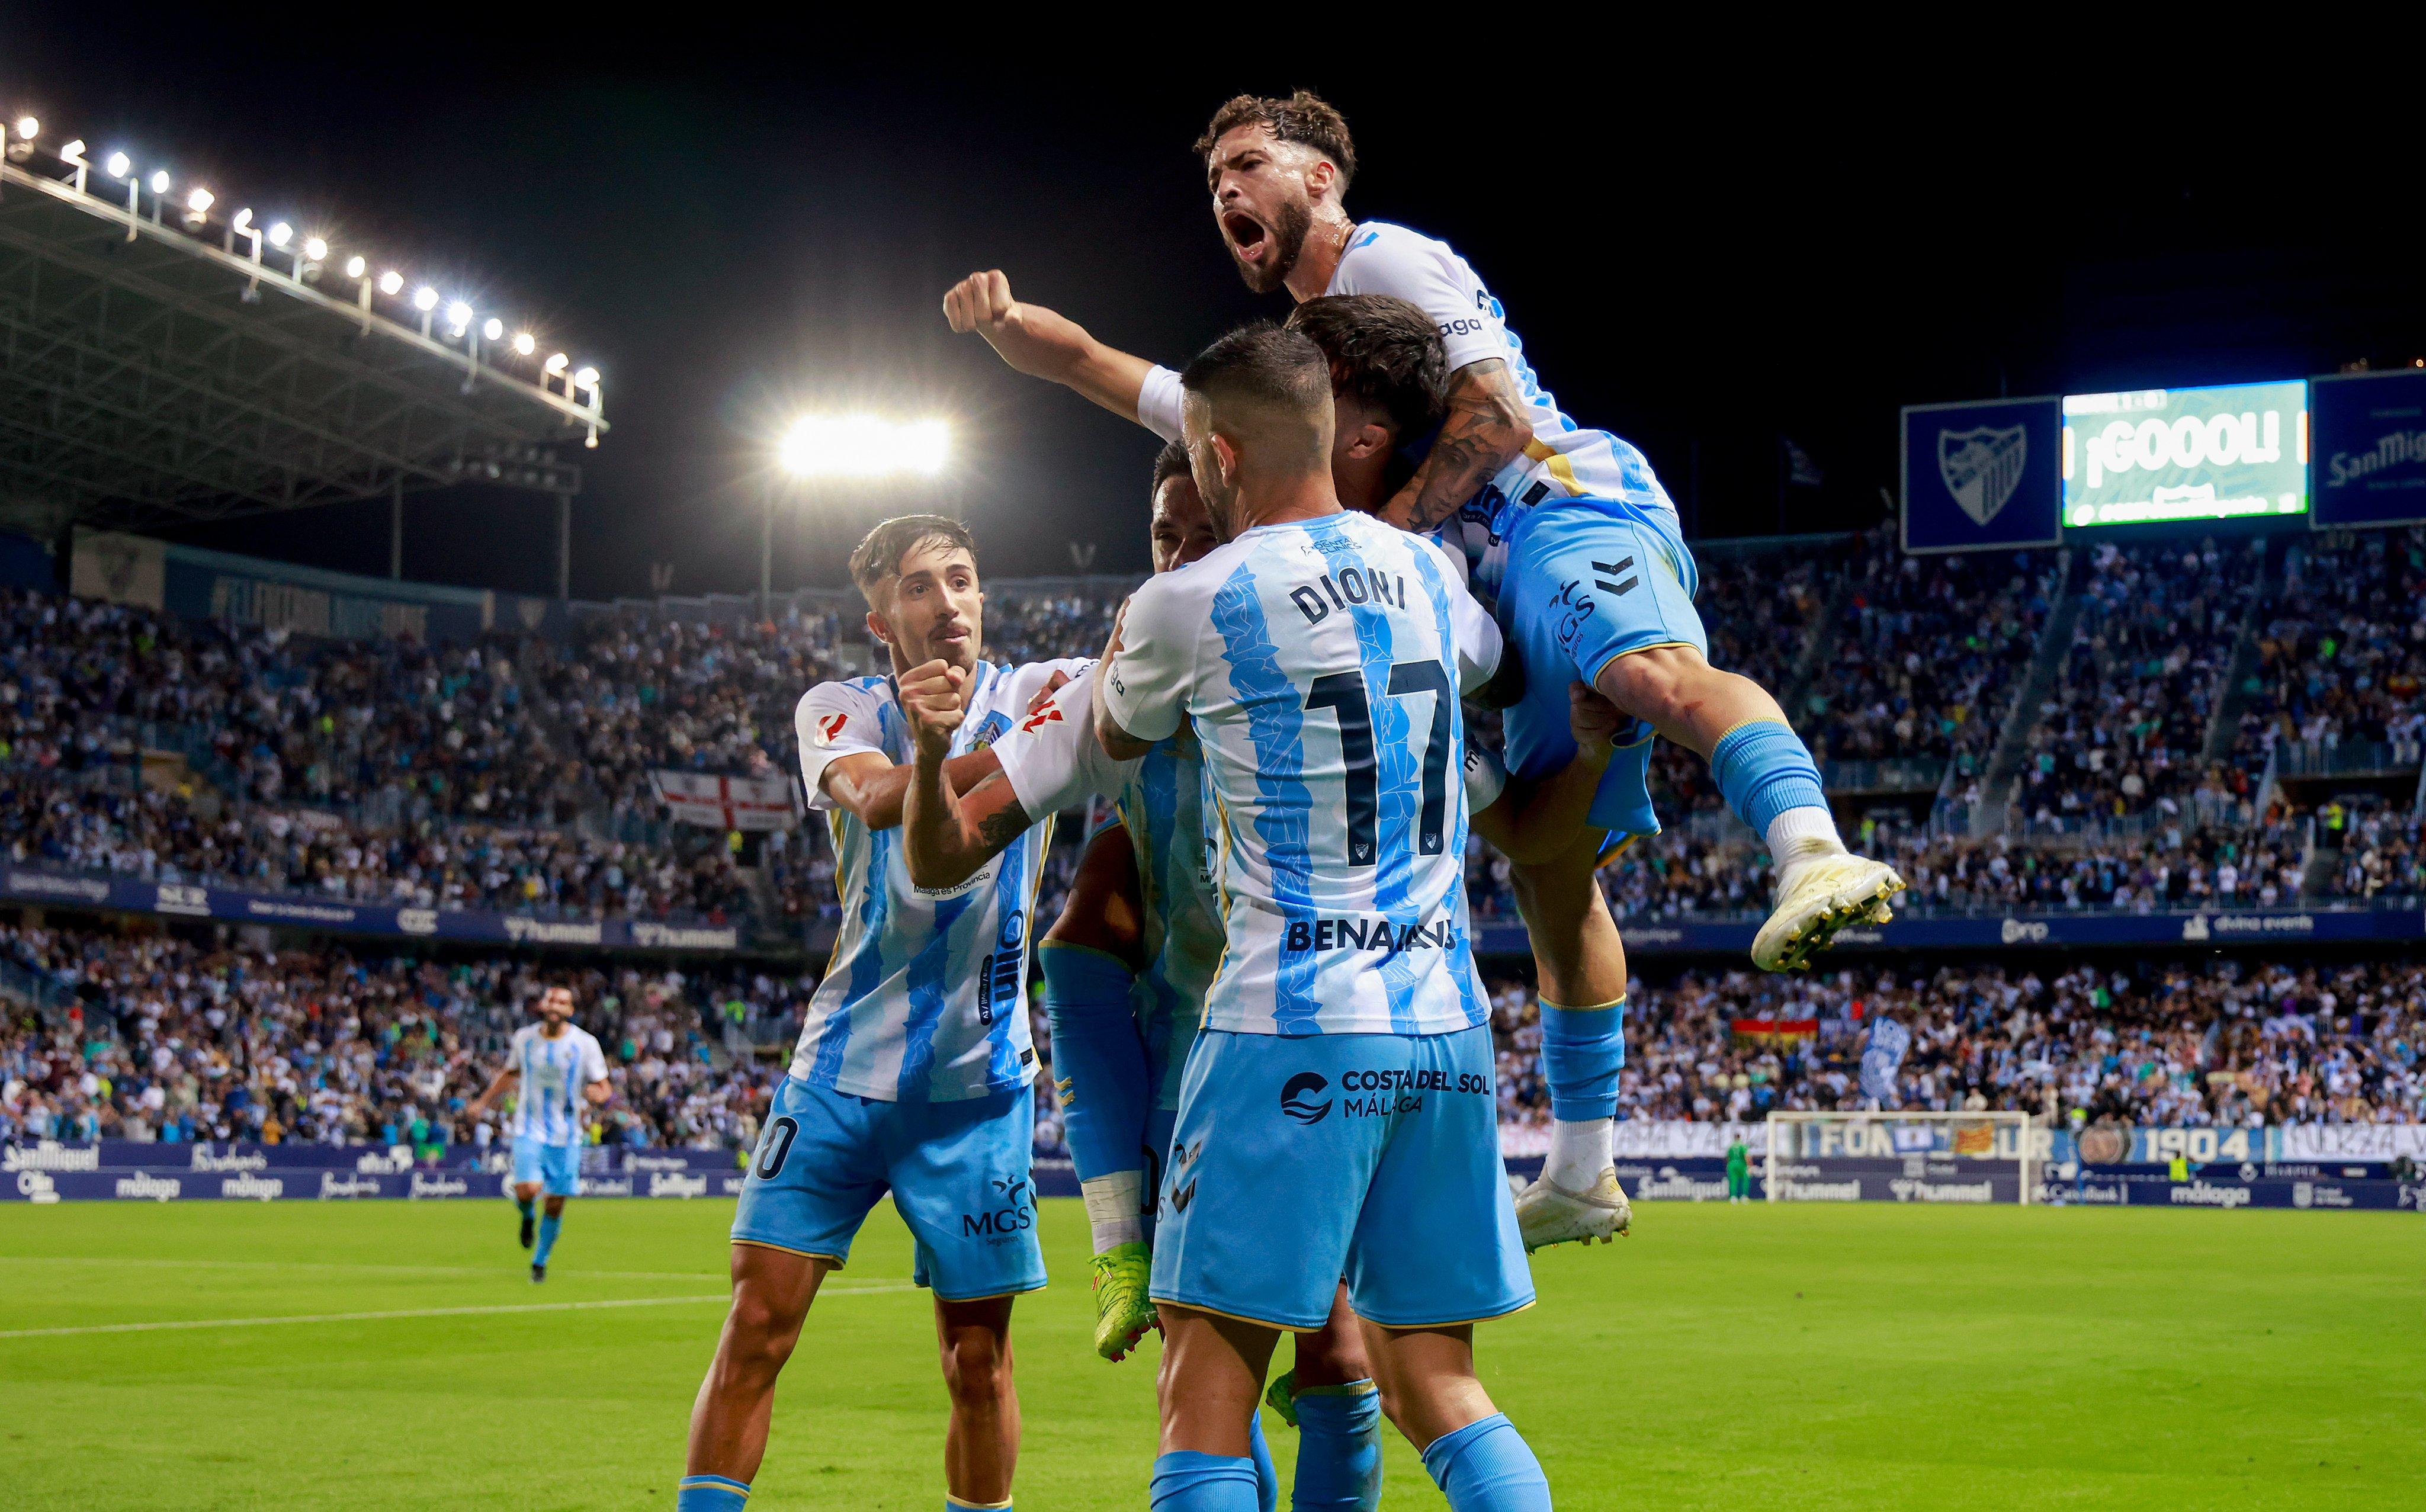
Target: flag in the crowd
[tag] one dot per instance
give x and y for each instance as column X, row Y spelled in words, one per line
column 1881, row 1056
column 715, row 802
column 1801, row 471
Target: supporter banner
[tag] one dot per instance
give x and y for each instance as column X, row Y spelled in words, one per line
column 2052, row 931
column 191, row 900
column 25, row 563
column 2367, row 449
column 1981, row 476
column 2352, row 1141
column 251, row 590
column 727, row 802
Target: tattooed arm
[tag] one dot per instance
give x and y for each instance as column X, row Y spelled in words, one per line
column 1485, row 430
column 947, row 836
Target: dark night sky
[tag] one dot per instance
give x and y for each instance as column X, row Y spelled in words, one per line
column 735, row 225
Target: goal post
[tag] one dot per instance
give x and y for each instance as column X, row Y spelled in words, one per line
column 1893, row 1155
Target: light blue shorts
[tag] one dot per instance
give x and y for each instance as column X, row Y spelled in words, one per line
column 958, row 1172
column 1299, row 1161
column 555, row 1169
column 1589, row 580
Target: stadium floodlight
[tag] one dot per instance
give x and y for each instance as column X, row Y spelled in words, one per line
column 555, row 363
column 863, row 446
column 118, row 165
column 28, row 128
column 586, row 379
column 459, row 317
column 391, row 282
column 425, row 298
column 525, row 344
column 315, row 249
column 73, row 155
column 160, row 181
column 492, row 330
column 281, row 234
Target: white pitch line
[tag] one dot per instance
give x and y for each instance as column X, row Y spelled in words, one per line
column 345, row 1266
column 406, row 1312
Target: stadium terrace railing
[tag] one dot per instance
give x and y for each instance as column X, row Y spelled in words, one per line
column 1886, row 773
column 2296, row 759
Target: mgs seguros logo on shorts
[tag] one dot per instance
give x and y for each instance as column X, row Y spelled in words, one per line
column 1014, row 1214
column 1297, row 1098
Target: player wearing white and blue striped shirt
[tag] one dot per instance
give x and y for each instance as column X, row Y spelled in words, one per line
column 913, row 1071
column 1344, row 1055
column 558, row 1072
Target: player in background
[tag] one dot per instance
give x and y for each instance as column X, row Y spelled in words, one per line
column 1389, row 369
column 913, row 1066
column 1738, row 1169
column 557, row 1072
column 1347, row 985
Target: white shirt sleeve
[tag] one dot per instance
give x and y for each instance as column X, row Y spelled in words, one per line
column 1052, row 758
column 1485, row 778
column 1480, row 645
column 593, row 1062
column 1158, row 401
column 1146, row 681
column 1391, row 260
column 835, row 719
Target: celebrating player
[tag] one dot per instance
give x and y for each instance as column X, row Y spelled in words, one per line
column 556, row 1067
column 1319, row 656
column 1388, row 369
column 914, row 1064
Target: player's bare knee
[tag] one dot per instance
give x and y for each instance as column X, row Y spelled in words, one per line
column 976, row 1366
column 556, row 1207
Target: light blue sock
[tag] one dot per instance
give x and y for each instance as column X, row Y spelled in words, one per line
column 1098, row 1061
column 1338, row 1449
column 1185, row 1481
column 1582, row 1052
column 1268, row 1476
column 1763, row 769
column 1487, row 1467
column 953, row 1503
column 548, row 1227
column 710, row 1493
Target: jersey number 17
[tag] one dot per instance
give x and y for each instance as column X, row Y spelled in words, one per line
column 1343, row 693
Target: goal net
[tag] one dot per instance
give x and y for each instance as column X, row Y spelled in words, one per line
column 1902, row 1157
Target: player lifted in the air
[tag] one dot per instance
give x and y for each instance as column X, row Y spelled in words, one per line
column 1128, row 962
column 1336, row 1115
column 913, row 1068
column 559, row 1073
column 1388, row 370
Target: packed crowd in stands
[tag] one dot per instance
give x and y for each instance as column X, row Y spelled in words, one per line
column 2342, row 656
column 2126, row 731
column 2176, row 1043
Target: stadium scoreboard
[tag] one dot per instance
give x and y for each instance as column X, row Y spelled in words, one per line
column 2333, row 453
column 2217, row 452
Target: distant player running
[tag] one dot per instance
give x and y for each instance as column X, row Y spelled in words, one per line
column 913, row 1068
column 557, row 1072
column 1389, row 373
column 1336, row 1115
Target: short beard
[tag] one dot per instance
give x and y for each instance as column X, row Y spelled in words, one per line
column 1289, row 242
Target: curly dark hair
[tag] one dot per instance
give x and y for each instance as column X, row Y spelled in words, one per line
column 1382, row 351
column 1170, row 462
column 1305, row 117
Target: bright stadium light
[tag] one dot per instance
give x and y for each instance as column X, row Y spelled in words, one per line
column 73, row 155
column 160, row 181
column 425, row 298
column 525, row 344
column 118, row 165
column 391, row 282
column 199, row 202
column 459, row 317
column 315, row 249
column 281, row 234
column 28, row 128
column 586, row 379
column 555, row 363
column 863, row 446
column 492, row 330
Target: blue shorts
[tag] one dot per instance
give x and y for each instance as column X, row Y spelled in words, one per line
column 958, row 1172
column 1302, row 1160
column 1587, row 580
column 554, row 1169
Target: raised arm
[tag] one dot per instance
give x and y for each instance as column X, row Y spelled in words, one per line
column 1044, row 344
column 945, row 836
column 1485, row 429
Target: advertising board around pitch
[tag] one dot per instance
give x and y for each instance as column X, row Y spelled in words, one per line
column 2369, row 439
column 1981, row 474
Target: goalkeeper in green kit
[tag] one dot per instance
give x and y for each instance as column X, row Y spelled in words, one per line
column 1738, row 1170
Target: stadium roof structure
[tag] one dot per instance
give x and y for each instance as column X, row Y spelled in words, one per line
column 160, row 364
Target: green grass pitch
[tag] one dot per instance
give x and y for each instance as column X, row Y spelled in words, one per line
column 1747, row 1356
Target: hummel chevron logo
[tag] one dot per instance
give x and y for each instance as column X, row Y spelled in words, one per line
column 1613, row 569
column 1182, row 1196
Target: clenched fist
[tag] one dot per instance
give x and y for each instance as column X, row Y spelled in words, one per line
column 1032, row 339
column 931, row 696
